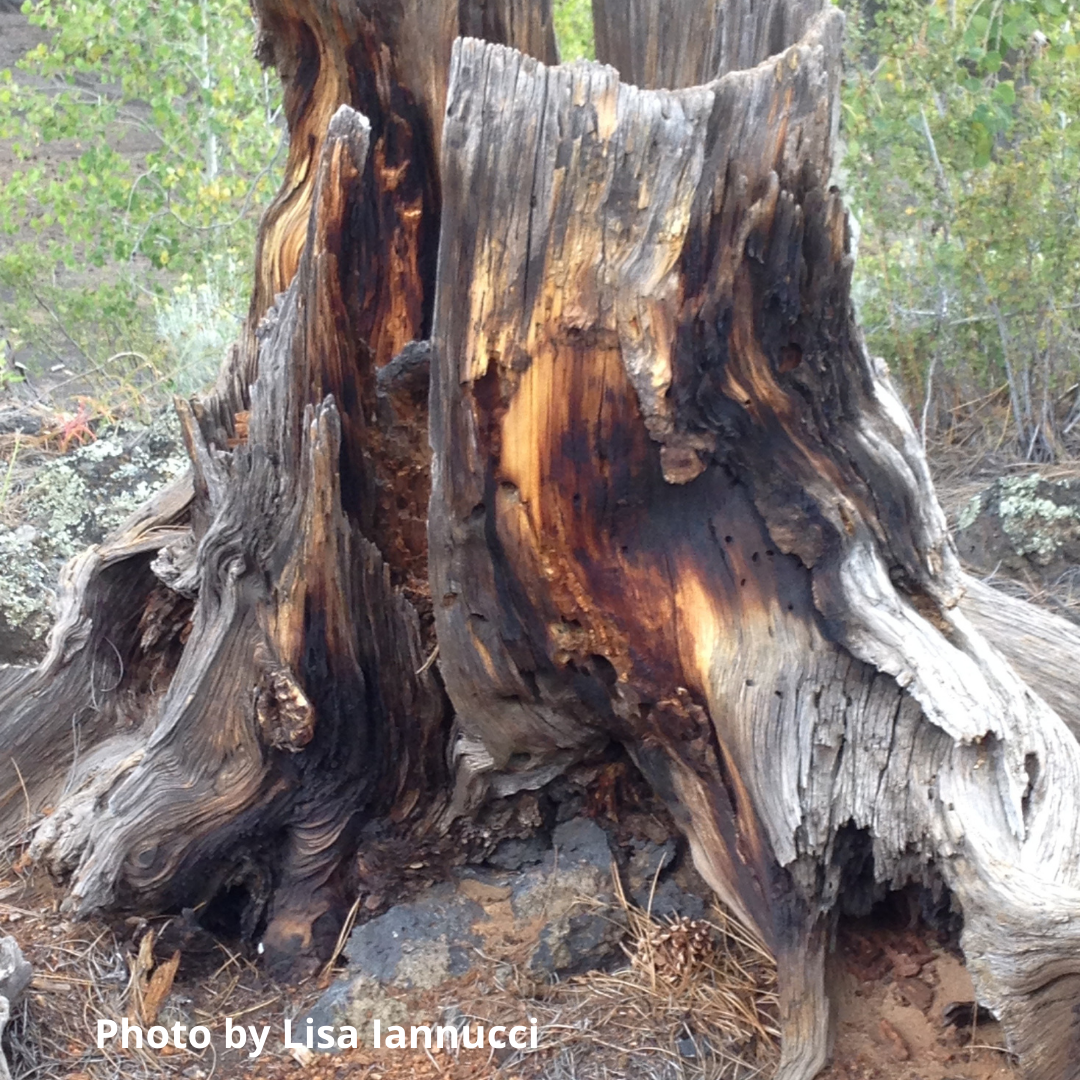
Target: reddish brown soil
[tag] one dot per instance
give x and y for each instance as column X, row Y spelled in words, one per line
column 890, row 989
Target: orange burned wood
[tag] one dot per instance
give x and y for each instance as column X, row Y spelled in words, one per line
column 676, row 504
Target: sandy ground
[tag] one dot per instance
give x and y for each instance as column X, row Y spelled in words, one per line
column 891, row 990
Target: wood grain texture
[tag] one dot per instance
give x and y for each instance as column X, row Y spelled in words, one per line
column 295, row 711
column 675, row 503
column 260, row 659
column 1042, row 647
column 673, row 44
column 112, row 651
column 388, row 59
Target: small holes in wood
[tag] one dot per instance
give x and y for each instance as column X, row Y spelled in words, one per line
column 790, row 357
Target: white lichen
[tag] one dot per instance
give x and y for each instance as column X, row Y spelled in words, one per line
column 71, row 503
column 1037, row 527
column 970, row 513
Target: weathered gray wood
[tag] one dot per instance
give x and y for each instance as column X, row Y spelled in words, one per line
column 239, row 746
column 111, row 653
column 295, row 710
column 675, row 503
column 1042, row 647
column 673, row 44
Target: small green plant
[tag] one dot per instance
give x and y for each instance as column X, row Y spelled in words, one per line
column 963, row 162
column 198, row 320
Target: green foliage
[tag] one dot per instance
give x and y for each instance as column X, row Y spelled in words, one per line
column 146, row 145
column 574, row 29
column 963, row 161
column 148, row 140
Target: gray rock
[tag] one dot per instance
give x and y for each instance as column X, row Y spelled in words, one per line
column 15, row 971
column 70, row 503
column 356, row 1000
column 648, row 861
column 419, row 944
column 551, row 907
column 576, row 936
column 575, row 943
column 581, row 841
column 413, row 946
column 647, row 865
column 670, row 900
column 514, row 854
column 1022, row 524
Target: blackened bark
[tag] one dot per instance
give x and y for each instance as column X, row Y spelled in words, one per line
column 676, row 504
column 673, row 504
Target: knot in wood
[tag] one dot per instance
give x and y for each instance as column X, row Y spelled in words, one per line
column 285, row 716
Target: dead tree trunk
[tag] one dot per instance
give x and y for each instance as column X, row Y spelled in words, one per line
column 234, row 682
column 673, row 504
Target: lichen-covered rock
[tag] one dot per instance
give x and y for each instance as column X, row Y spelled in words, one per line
column 1023, row 524
column 15, row 976
column 73, row 502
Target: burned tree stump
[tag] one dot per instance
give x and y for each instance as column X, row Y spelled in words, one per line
column 673, row 505
column 236, row 680
column 676, row 504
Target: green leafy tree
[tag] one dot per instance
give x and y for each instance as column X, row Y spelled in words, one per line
column 963, row 161
column 165, row 146
column 574, row 29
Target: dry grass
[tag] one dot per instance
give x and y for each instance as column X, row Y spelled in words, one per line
column 1060, row 595
column 91, row 970
column 696, row 1000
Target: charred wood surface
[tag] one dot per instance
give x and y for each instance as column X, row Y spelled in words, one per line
column 389, row 61
column 232, row 684
column 675, row 503
column 295, row 710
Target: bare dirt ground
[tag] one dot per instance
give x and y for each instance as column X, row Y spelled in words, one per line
column 895, row 987
column 893, row 990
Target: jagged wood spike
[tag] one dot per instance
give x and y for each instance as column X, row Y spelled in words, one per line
column 117, row 614
column 674, row 504
column 388, row 59
column 295, row 709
